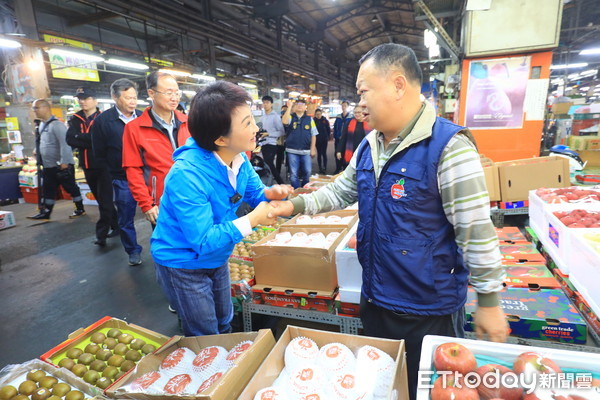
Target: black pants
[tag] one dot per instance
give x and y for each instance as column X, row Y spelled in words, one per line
column 322, row 154
column 387, row 324
column 100, row 184
column 280, row 158
column 55, row 177
column 269, row 151
column 339, row 164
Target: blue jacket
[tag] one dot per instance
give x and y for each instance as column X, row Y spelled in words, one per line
column 338, row 125
column 406, row 245
column 195, row 228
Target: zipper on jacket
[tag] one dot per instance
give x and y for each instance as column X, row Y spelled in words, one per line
column 154, row 188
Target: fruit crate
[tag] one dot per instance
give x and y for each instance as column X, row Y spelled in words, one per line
column 339, row 213
column 82, row 338
column 505, row 354
column 585, row 268
column 14, row 375
column 530, row 275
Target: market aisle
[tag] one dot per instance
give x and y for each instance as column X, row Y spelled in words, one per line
column 57, row 281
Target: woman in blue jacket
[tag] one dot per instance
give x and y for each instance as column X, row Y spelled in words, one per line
column 197, row 226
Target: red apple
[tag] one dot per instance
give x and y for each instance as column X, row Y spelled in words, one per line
column 451, row 391
column 454, row 357
column 494, row 388
column 352, row 242
column 530, row 363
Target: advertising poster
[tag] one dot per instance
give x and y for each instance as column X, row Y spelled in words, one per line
column 68, row 67
column 496, row 93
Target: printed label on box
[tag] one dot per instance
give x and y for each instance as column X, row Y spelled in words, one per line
column 553, row 234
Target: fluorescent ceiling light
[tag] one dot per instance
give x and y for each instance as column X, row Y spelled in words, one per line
column 277, row 90
column 143, row 103
column 589, row 72
column 305, row 95
column 106, row 101
column 207, row 78
column 9, row 44
column 76, row 54
column 585, row 88
column 247, row 85
column 294, row 94
column 315, row 97
column 190, row 93
column 127, row 64
column 589, row 52
column 352, row 104
column 237, row 53
column 67, row 97
column 175, row 72
column 564, row 66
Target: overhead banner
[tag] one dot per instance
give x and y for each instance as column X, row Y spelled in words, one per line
column 496, row 93
column 68, row 67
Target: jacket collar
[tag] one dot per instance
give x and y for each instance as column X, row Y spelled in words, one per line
column 147, row 121
column 115, row 112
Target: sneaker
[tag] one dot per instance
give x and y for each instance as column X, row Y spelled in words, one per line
column 77, row 214
column 113, row 233
column 135, row 259
column 172, row 309
column 100, row 242
column 43, row 214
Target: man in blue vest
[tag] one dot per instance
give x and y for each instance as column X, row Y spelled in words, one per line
column 300, row 143
column 425, row 230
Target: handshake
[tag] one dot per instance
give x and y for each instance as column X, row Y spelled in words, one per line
column 266, row 213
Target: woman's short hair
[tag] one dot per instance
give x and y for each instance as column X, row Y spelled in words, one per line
column 210, row 112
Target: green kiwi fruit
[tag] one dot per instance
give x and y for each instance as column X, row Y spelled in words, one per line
column 103, row 354
column 103, row 383
column 98, row 337
column 125, row 338
column 133, row 355
column 85, row 359
column 35, row 375
column 8, row 392
column 113, row 333
column 137, row 344
column 116, row 360
column 148, row 348
column 91, row 376
column 74, row 353
column 120, row 374
column 60, row 389
column 20, row 397
column 109, row 343
column 66, row 363
column 98, row 365
column 27, row 387
column 54, row 397
column 127, row 365
column 110, row 372
column 79, row 369
column 41, row 394
column 48, row 382
column 74, row 395
column 121, row 349
column 92, row 348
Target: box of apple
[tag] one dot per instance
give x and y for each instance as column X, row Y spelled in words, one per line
column 462, row 369
column 573, row 194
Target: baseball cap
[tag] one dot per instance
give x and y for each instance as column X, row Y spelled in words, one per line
column 84, row 93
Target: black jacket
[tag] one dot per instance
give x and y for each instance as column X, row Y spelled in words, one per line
column 107, row 141
column 324, row 129
column 78, row 137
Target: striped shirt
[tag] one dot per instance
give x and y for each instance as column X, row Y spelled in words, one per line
column 463, row 192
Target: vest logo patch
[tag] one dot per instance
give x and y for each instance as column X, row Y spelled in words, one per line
column 398, row 191
column 307, row 127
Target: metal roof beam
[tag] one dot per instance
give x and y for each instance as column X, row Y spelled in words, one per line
column 88, row 19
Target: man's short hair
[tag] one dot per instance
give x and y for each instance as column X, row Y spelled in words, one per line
column 301, row 100
column 121, row 85
column 345, row 101
column 267, row 98
column 391, row 55
column 318, row 110
column 153, row 77
column 211, row 110
column 43, row 103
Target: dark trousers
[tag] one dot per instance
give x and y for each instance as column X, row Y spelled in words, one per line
column 383, row 323
column 269, row 151
column 126, row 208
column 322, row 155
column 55, row 177
column 100, row 184
column 280, row 158
column 339, row 164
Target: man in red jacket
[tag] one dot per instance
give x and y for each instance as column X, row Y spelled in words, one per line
column 149, row 142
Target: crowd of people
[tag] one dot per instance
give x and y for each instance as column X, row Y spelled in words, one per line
column 424, row 231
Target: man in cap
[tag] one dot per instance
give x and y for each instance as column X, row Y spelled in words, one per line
column 300, row 143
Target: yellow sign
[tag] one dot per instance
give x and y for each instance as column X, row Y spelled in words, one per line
column 68, row 67
column 12, row 123
column 162, row 63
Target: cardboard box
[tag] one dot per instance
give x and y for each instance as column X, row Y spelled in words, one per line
column 274, row 363
column 505, row 354
column 346, row 309
column 228, row 387
column 521, row 253
column 510, row 234
column 294, row 298
column 323, row 178
column 561, row 108
column 7, row 219
column 348, row 268
column 297, row 267
column 509, row 205
column 351, row 295
column 591, row 157
column 492, row 181
column 583, row 142
column 297, row 192
column 545, row 314
column 28, row 180
column 530, row 275
column 339, row 213
column 585, row 268
column 518, row 177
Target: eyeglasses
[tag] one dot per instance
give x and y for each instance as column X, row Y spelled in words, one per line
column 176, row 93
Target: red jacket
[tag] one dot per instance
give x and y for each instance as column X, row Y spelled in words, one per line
column 147, row 156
